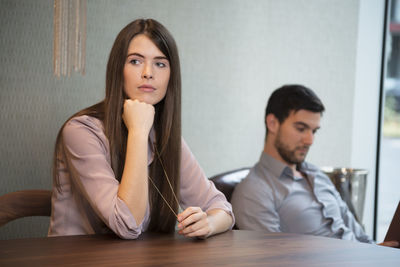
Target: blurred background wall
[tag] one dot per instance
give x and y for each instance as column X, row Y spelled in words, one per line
column 233, row 55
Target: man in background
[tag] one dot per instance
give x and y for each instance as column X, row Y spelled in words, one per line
column 282, row 192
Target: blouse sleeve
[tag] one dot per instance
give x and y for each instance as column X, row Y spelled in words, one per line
column 196, row 189
column 87, row 154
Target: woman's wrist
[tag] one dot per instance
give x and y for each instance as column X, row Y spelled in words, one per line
column 219, row 221
column 140, row 135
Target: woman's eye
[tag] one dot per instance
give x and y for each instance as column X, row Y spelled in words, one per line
column 161, row 64
column 134, row 61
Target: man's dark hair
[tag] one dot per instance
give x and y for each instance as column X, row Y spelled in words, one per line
column 290, row 98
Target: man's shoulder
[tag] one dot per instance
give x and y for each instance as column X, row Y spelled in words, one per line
column 252, row 190
column 255, row 181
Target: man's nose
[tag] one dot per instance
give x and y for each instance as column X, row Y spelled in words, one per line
column 308, row 138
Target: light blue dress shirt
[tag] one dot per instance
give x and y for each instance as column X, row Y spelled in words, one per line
column 272, row 199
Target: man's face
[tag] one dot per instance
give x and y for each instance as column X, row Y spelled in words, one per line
column 295, row 135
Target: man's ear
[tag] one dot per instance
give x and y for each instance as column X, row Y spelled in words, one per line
column 272, row 123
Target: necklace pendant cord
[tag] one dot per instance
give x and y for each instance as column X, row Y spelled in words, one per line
column 166, row 176
column 169, row 183
column 166, row 202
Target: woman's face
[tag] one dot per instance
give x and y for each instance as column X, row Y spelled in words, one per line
column 146, row 71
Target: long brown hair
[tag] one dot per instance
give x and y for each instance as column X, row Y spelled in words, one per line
column 167, row 121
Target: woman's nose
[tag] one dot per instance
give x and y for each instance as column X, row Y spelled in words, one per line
column 147, row 72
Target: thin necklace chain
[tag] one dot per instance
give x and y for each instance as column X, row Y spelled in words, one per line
column 166, row 202
column 169, row 183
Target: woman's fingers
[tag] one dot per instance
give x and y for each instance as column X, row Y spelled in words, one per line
column 194, row 222
column 201, row 233
column 189, row 216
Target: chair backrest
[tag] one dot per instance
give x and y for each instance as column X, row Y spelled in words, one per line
column 226, row 182
column 23, row 204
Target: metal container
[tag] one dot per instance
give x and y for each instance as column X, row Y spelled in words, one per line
column 352, row 185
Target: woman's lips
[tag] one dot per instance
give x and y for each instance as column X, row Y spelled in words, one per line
column 146, row 88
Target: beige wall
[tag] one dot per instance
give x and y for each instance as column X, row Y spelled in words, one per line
column 233, row 54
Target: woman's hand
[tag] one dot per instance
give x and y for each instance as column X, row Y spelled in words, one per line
column 194, row 222
column 138, row 116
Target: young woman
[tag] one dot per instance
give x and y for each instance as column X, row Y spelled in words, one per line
column 121, row 165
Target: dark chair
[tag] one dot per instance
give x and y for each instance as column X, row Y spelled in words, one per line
column 23, row 204
column 226, row 182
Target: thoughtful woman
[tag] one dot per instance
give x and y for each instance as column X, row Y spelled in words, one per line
column 121, row 165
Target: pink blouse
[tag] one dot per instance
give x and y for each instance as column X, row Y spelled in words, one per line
column 88, row 202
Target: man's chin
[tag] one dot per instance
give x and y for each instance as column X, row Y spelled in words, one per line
column 295, row 160
column 300, row 159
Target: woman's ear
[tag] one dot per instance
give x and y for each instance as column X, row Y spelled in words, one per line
column 272, row 123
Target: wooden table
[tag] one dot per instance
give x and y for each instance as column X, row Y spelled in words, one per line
column 233, row 248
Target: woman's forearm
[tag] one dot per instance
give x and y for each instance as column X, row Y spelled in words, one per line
column 133, row 189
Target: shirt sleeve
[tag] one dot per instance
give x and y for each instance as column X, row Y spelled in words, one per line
column 351, row 222
column 196, row 189
column 254, row 206
column 85, row 149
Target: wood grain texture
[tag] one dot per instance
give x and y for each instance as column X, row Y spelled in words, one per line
column 233, row 248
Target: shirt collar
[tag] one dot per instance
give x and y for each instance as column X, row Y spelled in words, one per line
column 276, row 167
column 280, row 169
